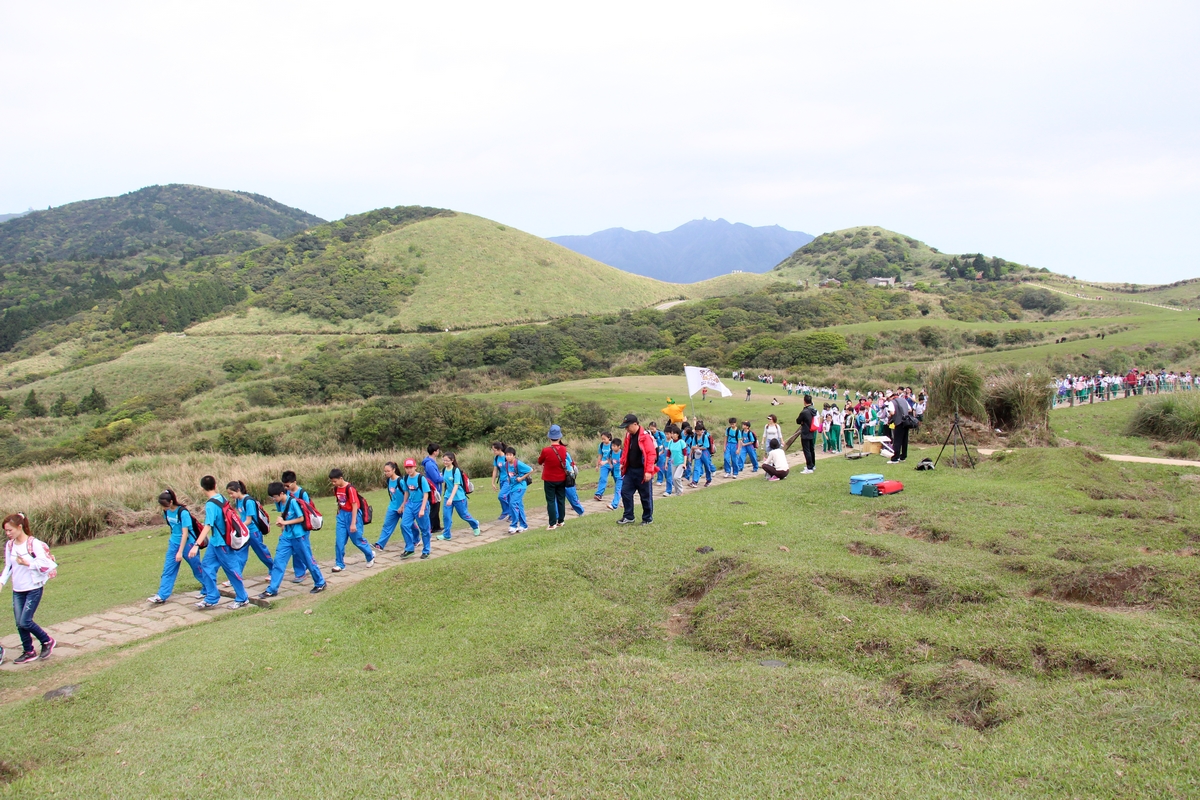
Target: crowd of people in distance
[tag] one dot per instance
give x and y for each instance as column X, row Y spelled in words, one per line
column 1100, row 386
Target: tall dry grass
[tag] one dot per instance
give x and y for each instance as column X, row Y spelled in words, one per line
column 1017, row 400
column 1172, row 418
column 957, row 385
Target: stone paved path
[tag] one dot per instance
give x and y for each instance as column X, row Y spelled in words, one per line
column 1170, row 462
column 140, row 620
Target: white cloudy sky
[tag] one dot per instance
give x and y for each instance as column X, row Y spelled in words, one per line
column 1061, row 134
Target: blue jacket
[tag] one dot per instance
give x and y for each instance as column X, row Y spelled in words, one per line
column 433, row 473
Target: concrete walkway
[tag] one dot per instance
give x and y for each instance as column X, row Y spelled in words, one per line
column 140, row 620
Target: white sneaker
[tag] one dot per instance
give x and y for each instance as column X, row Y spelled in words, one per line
column 893, row 461
column 236, row 605
column 512, row 530
column 807, row 472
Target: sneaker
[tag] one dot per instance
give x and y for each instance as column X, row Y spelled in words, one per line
column 693, row 485
column 236, row 605
column 370, row 562
column 226, row 585
column 707, row 484
column 268, row 595
column 445, row 537
column 406, row 554
column 199, row 595
column 203, row 605
column 551, row 527
column 155, row 600
column 502, row 517
column 598, row 498
column 772, row 478
column 424, row 555
column 377, row 546
column 48, row 648
column 512, row 530
column 337, row 569
column 301, row 579
column 623, row 521
column 1, row 654
column 317, row 589
column 25, row 658
column 475, row 531
column 522, row 530
column 893, row 461
column 647, row 522
column 807, row 472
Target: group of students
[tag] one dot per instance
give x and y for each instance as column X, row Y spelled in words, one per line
column 1072, row 389
column 233, row 525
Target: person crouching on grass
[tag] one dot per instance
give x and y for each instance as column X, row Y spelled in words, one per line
column 775, row 464
column 28, row 562
column 349, row 521
column 294, row 542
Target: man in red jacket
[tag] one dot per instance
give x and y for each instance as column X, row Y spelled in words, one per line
column 639, row 463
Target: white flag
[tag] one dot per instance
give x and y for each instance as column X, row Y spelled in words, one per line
column 700, row 377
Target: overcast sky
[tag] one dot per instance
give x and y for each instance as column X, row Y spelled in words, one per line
column 1058, row 134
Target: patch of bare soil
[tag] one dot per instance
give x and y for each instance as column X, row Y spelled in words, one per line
column 897, row 521
column 965, row 691
column 1120, row 587
column 875, row 551
column 690, row 587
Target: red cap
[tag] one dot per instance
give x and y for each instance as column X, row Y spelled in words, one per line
column 408, row 462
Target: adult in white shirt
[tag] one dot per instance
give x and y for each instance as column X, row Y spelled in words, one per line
column 27, row 561
column 775, row 464
column 772, row 430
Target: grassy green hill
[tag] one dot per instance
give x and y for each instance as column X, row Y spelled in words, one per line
column 476, row 272
column 869, row 251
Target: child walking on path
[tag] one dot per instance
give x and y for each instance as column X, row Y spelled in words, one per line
column 573, row 491
column 183, row 536
column 349, row 521
column 605, row 464
column 294, row 489
column 618, row 473
column 456, row 495
column 247, row 508
column 701, row 455
column 294, row 542
column 217, row 555
column 676, row 460
column 414, row 523
column 29, row 563
column 517, row 471
column 500, row 479
column 660, row 443
column 391, row 476
column 733, row 446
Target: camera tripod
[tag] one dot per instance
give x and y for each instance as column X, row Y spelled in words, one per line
column 952, row 439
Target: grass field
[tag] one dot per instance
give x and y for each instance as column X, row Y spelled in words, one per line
column 1045, row 645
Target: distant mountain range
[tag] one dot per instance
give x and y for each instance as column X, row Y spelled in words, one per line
column 695, row 251
column 7, row 217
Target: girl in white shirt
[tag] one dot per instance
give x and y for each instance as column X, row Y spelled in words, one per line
column 772, row 430
column 27, row 561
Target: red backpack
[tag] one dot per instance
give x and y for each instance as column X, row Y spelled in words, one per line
column 363, row 505
column 311, row 519
column 236, row 531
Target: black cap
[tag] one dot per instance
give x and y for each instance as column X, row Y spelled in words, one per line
column 630, row 419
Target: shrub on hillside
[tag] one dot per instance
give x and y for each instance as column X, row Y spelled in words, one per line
column 957, row 386
column 1017, row 400
column 1172, row 418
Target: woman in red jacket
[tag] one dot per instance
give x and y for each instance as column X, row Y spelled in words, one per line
column 554, row 478
column 639, row 463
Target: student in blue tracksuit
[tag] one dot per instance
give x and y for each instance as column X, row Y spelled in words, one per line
column 391, row 476
column 247, row 508
column 414, row 522
column 500, row 479
column 295, row 490
column 733, row 449
column 660, row 443
column 455, row 498
column 293, row 542
column 218, row 554
column 573, row 492
column 605, row 464
column 179, row 520
column 701, row 455
column 434, row 473
column 349, row 521
column 749, row 446
column 676, row 457
column 517, row 470
column 618, row 475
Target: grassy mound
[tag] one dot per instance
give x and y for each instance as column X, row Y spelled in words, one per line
column 1173, row 418
column 588, row 662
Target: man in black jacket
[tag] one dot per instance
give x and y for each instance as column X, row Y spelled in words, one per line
column 808, row 439
column 901, row 419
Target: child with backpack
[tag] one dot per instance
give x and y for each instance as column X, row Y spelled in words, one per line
column 573, row 491
column 184, row 530
column 391, row 478
column 733, row 446
column 414, row 522
column 605, row 464
column 618, row 475
column 456, row 485
column 749, row 446
column 676, row 461
column 29, row 563
column 297, row 492
column 500, row 479
column 660, row 443
column 255, row 517
column 349, row 521
column 219, row 517
column 702, row 450
column 293, row 542
column 517, row 472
